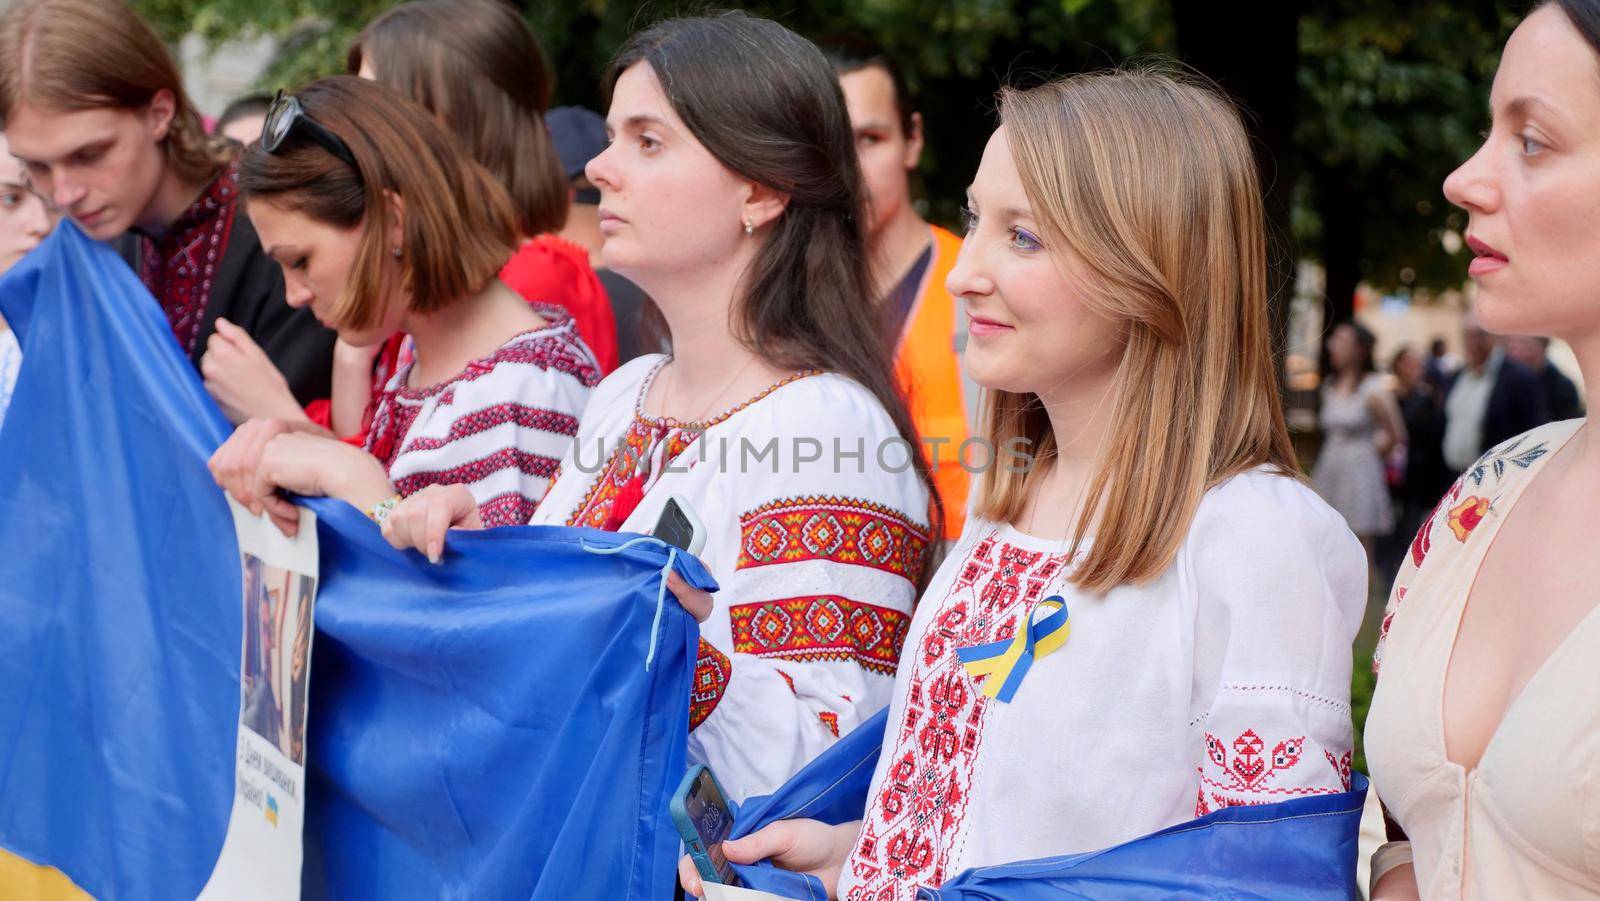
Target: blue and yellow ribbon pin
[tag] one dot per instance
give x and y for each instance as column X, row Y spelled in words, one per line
column 1005, row 663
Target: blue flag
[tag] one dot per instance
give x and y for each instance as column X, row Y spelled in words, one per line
column 1302, row 848
column 484, row 728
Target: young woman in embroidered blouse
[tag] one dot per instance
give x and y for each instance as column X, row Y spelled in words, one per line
column 476, row 65
column 1484, row 734
column 735, row 203
column 382, row 224
column 1114, row 273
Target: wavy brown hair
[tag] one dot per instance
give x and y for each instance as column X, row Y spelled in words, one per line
column 476, row 65
column 782, row 123
column 71, row 55
column 458, row 224
column 1150, row 179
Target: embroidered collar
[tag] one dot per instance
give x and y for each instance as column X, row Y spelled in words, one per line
column 667, row 422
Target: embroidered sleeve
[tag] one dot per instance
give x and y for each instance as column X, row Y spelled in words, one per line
column 1280, row 587
column 501, row 430
column 817, row 594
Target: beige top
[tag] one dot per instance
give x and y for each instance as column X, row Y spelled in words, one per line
column 1526, row 822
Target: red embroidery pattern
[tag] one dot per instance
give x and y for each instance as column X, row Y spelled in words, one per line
column 474, row 470
column 813, row 629
column 179, row 267
column 631, row 458
column 523, row 417
column 843, row 530
column 711, row 672
column 509, row 509
column 831, row 720
column 1245, row 771
column 919, row 812
column 631, row 461
column 397, row 407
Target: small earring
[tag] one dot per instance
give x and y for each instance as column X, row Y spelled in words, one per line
column 397, row 253
column 749, row 227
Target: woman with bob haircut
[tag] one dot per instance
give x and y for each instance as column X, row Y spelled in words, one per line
column 476, row 66
column 382, row 224
column 1484, row 734
column 736, row 204
column 1114, row 272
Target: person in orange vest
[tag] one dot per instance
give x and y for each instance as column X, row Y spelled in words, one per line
column 910, row 260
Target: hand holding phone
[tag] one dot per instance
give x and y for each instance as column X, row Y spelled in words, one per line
column 679, row 527
column 704, row 818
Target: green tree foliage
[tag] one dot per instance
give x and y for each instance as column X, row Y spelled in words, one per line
column 1390, row 96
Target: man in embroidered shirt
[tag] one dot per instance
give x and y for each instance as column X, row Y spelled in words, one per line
column 92, row 104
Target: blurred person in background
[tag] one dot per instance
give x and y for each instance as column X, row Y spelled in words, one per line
column 1418, row 475
column 242, row 119
column 1560, row 394
column 1491, row 398
column 1361, row 425
column 579, row 136
column 910, row 260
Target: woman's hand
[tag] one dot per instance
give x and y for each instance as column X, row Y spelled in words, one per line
column 265, row 456
column 697, row 602
column 800, row 846
column 421, row 520
column 241, row 379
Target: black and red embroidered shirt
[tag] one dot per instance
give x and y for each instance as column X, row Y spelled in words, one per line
column 180, row 266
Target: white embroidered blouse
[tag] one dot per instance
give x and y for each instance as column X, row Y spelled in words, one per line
column 816, row 543
column 1224, row 681
column 500, row 426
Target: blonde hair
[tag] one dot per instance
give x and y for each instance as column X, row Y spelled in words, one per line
column 71, row 55
column 1150, row 179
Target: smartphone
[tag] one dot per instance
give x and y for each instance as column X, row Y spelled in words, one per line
column 704, row 817
column 679, row 527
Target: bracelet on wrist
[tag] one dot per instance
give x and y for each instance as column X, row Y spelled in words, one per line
column 379, row 512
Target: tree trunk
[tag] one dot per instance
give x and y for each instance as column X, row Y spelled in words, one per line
column 1257, row 65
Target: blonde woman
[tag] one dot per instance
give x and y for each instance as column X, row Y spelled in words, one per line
column 1115, row 276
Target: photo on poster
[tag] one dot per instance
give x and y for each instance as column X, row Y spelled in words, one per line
column 277, row 644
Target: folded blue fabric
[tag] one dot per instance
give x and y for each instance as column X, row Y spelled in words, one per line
column 486, row 728
column 1302, row 848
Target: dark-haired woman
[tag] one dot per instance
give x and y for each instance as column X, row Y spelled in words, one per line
column 1360, row 425
column 1484, row 733
column 382, row 224
column 736, row 204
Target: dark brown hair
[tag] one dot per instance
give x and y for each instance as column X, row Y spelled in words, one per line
column 477, row 66
column 782, row 123
column 1584, row 16
column 855, row 53
column 71, row 55
column 459, row 228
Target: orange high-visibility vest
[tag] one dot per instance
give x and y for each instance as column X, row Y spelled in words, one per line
column 929, row 372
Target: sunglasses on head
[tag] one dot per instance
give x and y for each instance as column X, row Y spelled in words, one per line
column 286, row 116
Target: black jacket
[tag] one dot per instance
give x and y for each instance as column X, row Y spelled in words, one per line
column 1516, row 403
column 248, row 291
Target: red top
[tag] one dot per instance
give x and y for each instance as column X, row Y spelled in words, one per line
column 546, row 269
column 552, row 270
